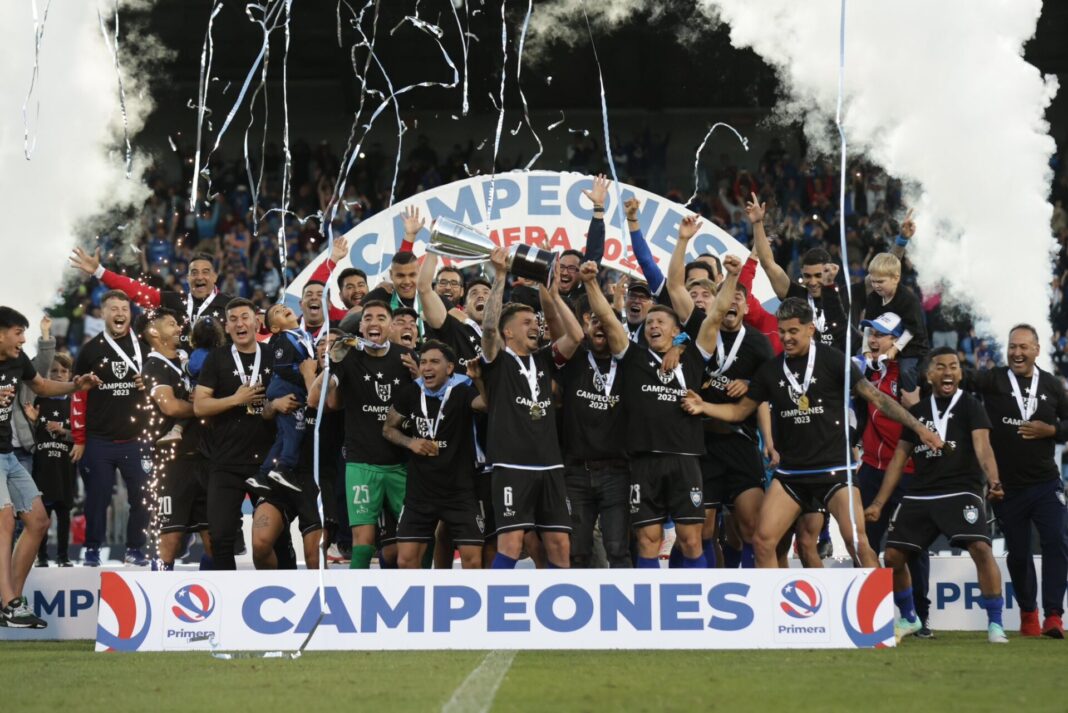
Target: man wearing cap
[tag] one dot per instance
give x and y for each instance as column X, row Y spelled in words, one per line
column 636, row 305
column 880, row 439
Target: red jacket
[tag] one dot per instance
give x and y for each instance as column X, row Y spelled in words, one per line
column 757, row 316
column 882, row 433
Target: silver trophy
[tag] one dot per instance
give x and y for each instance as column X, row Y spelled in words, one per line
column 452, row 239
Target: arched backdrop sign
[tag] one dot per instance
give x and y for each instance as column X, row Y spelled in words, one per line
column 530, row 206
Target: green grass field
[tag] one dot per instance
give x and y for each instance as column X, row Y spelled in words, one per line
column 956, row 671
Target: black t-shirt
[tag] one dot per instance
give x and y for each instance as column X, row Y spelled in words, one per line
column 116, row 410
column 829, row 306
column 656, row 422
column 368, row 385
column 754, row 350
column 945, row 471
column 1022, row 462
column 907, row 306
column 463, row 338
column 237, row 438
column 516, row 437
column 814, row 439
column 179, row 302
column 53, row 471
column 595, row 426
column 451, row 473
column 13, row 373
column 169, row 372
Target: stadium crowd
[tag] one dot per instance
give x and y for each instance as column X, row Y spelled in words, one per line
column 498, row 417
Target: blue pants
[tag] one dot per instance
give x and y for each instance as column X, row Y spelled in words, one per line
column 1040, row 505
column 102, row 458
column 869, row 480
column 285, row 452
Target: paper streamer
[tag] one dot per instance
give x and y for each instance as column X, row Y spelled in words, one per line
column 701, row 148
column 114, row 51
column 500, row 117
column 28, row 146
column 604, row 122
column 522, row 95
column 207, row 53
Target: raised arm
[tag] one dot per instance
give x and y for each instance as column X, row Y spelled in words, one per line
column 595, row 234
column 491, row 316
column 563, row 327
column 901, row 243
column 676, row 277
column 780, row 281
column 613, row 328
column 434, row 312
column 413, row 223
column 706, row 337
column 642, row 253
column 139, row 292
column 885, row 403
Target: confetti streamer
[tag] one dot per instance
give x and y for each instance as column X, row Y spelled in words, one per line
column 522, row 95
column 287, row 166
column 701, row 148
column 114, row 51
column 557, row 123
column 500, row 116
column 28, row 146
column 465, row 44
column 207, row 52
column 604, row 121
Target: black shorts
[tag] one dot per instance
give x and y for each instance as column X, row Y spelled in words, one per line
column 484, row 493
column 813, row 492
column 665, row 485
column 530, row 500
column 302, row 507
column 182, row 492
column 920, row 519
column 463, row 521
column 732, row 465
column 386, row 533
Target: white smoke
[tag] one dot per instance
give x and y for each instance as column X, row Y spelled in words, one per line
column 77, row 168
column 937, row 93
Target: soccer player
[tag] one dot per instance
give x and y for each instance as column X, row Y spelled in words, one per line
column 529, row 493
column 1028, row 411
column 231, row 393
column 19, row 497
column 432, row 418
column 203, row 299
column 805, row 389
column 364, row 384
column 108, row 425
column 403, row 273
column 594, row 430
column 461, row 331
column 182, row 470
column 880, row 439
column 945, row 495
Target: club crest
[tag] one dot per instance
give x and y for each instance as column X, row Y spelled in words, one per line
column 146, row 465
column 119, row 369
column 383, row 391
column 665, row 378
column 696, row 497
column 971, row 514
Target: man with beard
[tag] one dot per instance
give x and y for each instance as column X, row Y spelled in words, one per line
column 204, row 298
column 364, row 384
column 449, row 284
column 945, row 496
column 231, row 393
column 596, row 470
column 19, row 497
column 1029, row 412
column 529, row 493
column 817, row 286
column 732, row 468
column 108, row 424
column 805, row 387
column 433, row 419
column 460, row 330
column 181, row 468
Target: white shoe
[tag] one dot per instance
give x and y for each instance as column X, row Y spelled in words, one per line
column 995, row 634
column 172, row 437
column 903, row 627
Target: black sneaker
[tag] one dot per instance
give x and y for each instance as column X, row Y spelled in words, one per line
column 284, row 479
column 64, row 562
column 19, row 616
column 925, row 631
column 825, row 549
column 42, row 561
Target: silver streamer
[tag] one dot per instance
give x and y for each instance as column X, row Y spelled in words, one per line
column 207, row 52
column 38, row 36
column 523, row 96
column 114, row 50
column 697, row 157
column 500, row 116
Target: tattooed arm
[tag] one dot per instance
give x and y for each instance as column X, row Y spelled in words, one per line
column 491, row 316
column 867, row 391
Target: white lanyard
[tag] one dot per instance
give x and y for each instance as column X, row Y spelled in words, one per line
column 677, row 371
column 305, row 340
column 168, row 362
column 432, row 428
column 1028, row 407
column 941, row 423
column 819, row 316
column 600, row 381
column 728, row 362
column 802, row 388
column 530, row 372
column 633, row 334
column 125, row 357
column 318, row 335
column 247, row 379
column 474, row 325
column 203, row 306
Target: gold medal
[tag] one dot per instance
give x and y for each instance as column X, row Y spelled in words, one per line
column 802, row 402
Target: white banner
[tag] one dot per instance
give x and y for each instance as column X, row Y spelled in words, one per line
column 487, row 609
column 528, row 207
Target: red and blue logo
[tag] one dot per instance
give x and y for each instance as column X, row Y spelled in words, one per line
column 861, row 607
column 124, row 618
column 193, row 604
column 801, row 599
